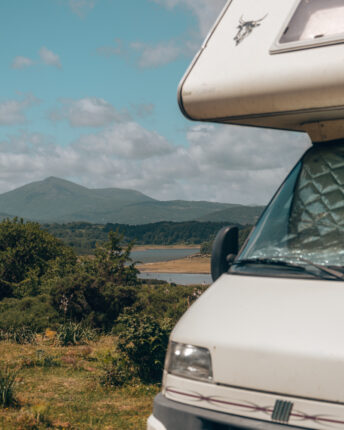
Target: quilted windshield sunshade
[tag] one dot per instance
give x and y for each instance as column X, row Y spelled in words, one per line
column 317, row 214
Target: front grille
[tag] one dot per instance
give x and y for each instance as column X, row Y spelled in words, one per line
column 282, row 411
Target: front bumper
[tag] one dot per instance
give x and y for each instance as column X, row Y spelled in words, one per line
column 171, row 415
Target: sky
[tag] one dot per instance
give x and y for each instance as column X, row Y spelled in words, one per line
column 89, row 94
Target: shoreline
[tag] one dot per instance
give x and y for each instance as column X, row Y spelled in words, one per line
column 197, row 265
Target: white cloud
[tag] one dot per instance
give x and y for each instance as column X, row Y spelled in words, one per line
column 13, row 111
column 81, row 7
column 87, row 112
column 21, row 62
column 237, row 148
column 127, row 140
column 206, row 11
column 221, row 163
column 243, row 165
column 49, row 57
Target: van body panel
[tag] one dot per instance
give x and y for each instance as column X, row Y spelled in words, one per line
column 271, row 334
column 304, row 413
column 265, row 340
column 245, row 84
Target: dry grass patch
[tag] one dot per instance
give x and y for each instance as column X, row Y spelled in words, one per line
column 196, row 265
column 69, row 396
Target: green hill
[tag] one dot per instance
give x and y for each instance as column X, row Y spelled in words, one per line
column 61, row 201
column 55, row 199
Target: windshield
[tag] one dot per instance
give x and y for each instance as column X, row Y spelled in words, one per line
column 304, row 223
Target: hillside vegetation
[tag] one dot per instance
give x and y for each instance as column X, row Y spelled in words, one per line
column 58, row 200
column 82, row 340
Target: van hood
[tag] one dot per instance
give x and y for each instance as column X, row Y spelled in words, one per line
column 271, row 334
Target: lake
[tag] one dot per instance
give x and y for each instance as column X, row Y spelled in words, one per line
column 166, row 254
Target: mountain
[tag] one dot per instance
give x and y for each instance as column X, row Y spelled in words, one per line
column 59, row 200
column 56, row 199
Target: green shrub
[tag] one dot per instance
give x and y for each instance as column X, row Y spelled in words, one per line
column 91, row 298
column 26, row 254
column 143, row 341
column 7, row 382
column 35, row 313
column 72, row 333
column 21, row 335
column 205, row 248
column 167, row 300
column 116, row 371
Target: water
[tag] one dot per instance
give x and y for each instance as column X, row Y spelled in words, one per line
column 179, row 278
column 165, row 254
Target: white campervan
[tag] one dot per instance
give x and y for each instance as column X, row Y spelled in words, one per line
column 263, row 347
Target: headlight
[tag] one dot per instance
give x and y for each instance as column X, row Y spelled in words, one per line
column 189, row 361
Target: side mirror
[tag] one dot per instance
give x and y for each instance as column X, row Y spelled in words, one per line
column 225, row 248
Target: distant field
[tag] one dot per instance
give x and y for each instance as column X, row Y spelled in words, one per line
column 185, row 265
column 63, row 391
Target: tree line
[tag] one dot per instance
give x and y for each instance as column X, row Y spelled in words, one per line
column 83, row 237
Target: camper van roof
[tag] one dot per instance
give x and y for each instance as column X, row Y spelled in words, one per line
column 271, row 64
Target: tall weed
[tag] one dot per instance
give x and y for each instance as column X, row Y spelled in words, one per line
column 7, row 383
column 22, row 335
column 71, row 333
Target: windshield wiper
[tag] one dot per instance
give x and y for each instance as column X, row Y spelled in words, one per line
column 278, row 262
column 336, row 273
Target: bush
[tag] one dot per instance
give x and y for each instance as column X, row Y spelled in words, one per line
column 26, row 253
column 35, row 313
column 167, row 300
column 72, row 333
column 116, row 371
column 7, row 382
column 100, row 288
column 206, row 247
column 112, row 261
column 143, row 342
column 21, row 335
column 86, row 297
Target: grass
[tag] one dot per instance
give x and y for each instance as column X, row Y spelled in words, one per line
column 58, row 388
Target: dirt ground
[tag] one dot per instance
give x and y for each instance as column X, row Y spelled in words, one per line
column 194, row 264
